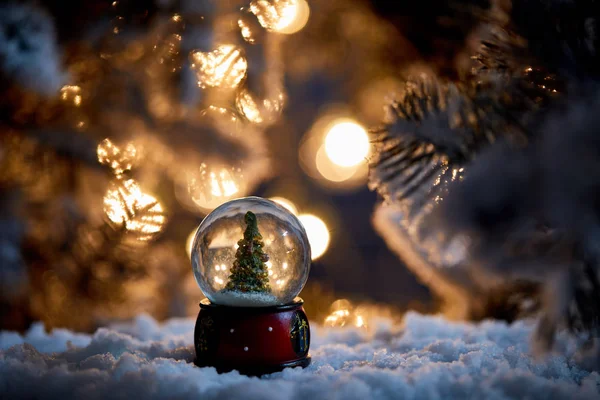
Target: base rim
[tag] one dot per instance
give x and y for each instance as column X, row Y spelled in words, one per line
column 256, row 370
column 297, row 302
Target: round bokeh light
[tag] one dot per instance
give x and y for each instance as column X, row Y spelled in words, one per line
column 347, row 143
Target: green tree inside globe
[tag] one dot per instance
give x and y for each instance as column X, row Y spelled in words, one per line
column 249, row 272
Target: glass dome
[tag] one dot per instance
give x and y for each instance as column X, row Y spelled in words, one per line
column 251, row 252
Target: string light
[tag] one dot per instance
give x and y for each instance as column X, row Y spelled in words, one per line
column 317, row 232
column 282, row 201
column 127, row 207
column 347, row 143
column 223, row 67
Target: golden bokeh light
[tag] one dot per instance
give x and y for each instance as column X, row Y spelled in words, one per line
column 334, row 150
column 297, row 20
column 287, row 204
column 330, row 171
column 246, row 31
column 71, row 93
column 281, row 16
column 224, row 67
column 209, row 188
column 119, row 159
column 343, row 313
column 272, row 14
column 259, row 111
column 317, row 232
column 130, row 209
column 347, row 143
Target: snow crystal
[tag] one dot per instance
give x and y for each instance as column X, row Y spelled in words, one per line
column 424, row 357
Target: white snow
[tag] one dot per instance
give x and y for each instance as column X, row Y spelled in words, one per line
column 239, row 299
column 426, row 357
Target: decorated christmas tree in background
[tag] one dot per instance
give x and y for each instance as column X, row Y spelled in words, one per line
column 249, row 271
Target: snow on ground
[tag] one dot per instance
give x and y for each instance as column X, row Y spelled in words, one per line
column 427, row 357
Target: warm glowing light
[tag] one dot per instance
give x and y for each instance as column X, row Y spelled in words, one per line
column 211, row 188
column 317, row 232
column 337, row 318
column 347, row 143
column 282, row 16
column 330, row 171
column 285, row 203
column 246, row 31
column 259, row 111
column 299, row 17
column 134, row 211
column 223, row 67
column 119, row 159
column 343, row 313
column 360, row 322
column 71, row 93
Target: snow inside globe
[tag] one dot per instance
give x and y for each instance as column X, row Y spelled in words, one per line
column 251, row 252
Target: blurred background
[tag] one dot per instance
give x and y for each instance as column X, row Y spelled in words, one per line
column 123, row 123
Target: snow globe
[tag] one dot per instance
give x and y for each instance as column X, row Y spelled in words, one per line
column 251, row 258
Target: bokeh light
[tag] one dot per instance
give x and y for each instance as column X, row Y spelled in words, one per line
column 128, row 208
column 281, row 16
column 210, row 187
column 347, row 143
column 335, row 149
column 296, row 18
column 259, row 111
column 330, row 171
column 71, row 93
column 344, row 313
column 119, row 159
column 288, row 204
column 318, row 234
column 223, row 67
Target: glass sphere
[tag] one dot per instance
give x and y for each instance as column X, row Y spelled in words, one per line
column 251, row 252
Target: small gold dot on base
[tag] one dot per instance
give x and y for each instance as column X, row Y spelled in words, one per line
column 270, row 329
column 245, row 348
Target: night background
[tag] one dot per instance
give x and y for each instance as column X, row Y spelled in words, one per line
column 442, row 158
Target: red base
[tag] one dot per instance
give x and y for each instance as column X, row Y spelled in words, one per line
column 252, row 340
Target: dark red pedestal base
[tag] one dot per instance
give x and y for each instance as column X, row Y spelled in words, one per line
column 252, row 340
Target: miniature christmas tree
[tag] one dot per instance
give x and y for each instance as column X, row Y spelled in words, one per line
column 249, row 272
